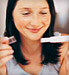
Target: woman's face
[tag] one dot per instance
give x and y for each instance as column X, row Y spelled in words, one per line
column 31, row 18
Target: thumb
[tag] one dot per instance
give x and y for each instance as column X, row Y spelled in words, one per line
column 67, row 62
column 3, row 70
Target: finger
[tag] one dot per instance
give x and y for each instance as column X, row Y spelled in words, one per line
column 67, row 62
column 5, row 59
column 5, row 47
column 3, row 70
column 4, row 40
column 5, row 53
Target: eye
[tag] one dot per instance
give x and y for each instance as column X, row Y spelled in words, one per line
column 43, row 13
column 25, row 13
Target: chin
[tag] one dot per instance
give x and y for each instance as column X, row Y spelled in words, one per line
column 35, row 38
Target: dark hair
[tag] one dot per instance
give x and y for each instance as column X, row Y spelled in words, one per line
column 49, row 50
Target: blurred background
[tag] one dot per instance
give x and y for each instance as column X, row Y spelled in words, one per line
column 62, row 16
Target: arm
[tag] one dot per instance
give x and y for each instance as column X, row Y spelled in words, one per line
column 64, row 58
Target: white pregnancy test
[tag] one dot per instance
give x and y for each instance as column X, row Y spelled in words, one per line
column 55, row 39
column 11, row 39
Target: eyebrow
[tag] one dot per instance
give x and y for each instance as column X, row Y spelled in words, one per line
column 25, row 8
column 45, row 8
column 30, row 8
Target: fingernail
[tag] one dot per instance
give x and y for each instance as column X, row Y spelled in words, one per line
column 12, row 51
column 6, row 38
column 11, row 56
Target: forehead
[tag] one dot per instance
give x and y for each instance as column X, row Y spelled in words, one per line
column 32, row 3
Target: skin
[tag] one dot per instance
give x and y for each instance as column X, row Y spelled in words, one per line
column 27, row 16
column 5, row 54
column 31, row 23
column 64, row 59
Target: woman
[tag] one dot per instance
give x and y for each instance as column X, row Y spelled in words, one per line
column 29, row 22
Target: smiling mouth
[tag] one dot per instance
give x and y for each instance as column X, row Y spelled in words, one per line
column 34, row 30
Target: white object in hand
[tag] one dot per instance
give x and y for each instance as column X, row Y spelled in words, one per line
column 12, row 40
column 55, row 39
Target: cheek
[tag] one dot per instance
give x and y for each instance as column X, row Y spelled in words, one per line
column 19, row 22
column 47, row 20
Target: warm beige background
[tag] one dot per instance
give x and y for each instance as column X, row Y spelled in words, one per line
column 62, row 19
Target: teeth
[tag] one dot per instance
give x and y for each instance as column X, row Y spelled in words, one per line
column 34, row 29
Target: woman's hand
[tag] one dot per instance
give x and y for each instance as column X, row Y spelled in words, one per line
column 67, row 61
column 64, row 59
column 5, row 54
column 67, row 57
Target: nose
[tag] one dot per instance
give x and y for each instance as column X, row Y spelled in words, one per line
column 35, row 21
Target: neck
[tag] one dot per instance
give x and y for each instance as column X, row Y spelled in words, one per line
column 30, row 47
